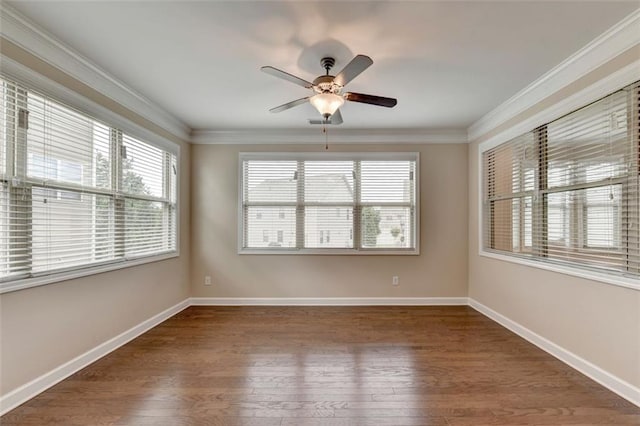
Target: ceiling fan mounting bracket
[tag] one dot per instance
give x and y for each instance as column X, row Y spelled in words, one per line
column 327, row 63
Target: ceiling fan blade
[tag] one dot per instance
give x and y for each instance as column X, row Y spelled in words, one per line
column 288, row 105
column 371, row 99
column 286, row 76
column 335, row 119
column 353, row 69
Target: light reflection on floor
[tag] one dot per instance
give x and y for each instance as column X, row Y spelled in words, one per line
column 319, row 382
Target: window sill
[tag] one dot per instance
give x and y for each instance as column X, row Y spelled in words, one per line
column 21, row 284
column 602, row 277
column 333, row 252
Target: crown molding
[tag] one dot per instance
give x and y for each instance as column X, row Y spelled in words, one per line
column 24, row 33
column 335, row 136
column 603, row 87
column 616, row 40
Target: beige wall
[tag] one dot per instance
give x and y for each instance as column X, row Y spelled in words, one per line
column 44, row 327
column 596, row 321
column 440, row 270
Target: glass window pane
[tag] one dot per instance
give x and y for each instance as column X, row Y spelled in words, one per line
column 65, row 232
column 102, row 174
column 386, row 227
column 270, row 227
column 386, row 181
column 559, row 218
column 65, row 146
column 104, row 229
column 142, row 168
column 328, row 227
column 521, row 217
column 602, row 211
column 590, row 144
column 146, row 227
column 585, row 226
column 270, row 181
column 55, row 133
column 328, row 181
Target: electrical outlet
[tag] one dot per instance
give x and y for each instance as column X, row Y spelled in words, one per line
column 395, row 280
column 207, row 280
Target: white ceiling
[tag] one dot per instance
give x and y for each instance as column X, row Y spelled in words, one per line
column 448, row 63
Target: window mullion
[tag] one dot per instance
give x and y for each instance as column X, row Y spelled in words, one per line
column 357, row 186
column 540, row 205
column 489, row 205
column 245, row 205
column 412, row 209
column 117, row 158
column 300, row 207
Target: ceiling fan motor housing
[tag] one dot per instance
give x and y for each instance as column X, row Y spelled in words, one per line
column 326, row 84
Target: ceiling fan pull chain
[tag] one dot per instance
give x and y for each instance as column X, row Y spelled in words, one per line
column 326, row 137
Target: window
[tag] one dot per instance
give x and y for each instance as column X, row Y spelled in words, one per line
column 337, row 203
column 75, row 192
column 568, row 191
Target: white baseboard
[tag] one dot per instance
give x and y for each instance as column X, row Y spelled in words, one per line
column 29, row 390
column 606, row 379
column 329, row 301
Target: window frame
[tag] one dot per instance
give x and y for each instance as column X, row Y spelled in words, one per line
column 336, row 156
column 29, row 80
column 589, row 95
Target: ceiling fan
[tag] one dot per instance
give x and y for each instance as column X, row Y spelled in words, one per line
column 327, row 89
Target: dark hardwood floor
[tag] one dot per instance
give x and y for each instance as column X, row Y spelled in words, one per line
column 321, row 366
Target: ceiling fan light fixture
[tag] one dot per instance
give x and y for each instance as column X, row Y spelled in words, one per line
column 327, row 103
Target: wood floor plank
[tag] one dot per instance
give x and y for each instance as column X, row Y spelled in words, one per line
column 326, row 366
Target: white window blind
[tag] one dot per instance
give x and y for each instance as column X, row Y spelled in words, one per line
column 76, row 192
column 568, row 191
column 315, row 203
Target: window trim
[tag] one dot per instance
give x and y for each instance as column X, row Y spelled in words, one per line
column 588, row 95
column 302, row 156
column 32, row 80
